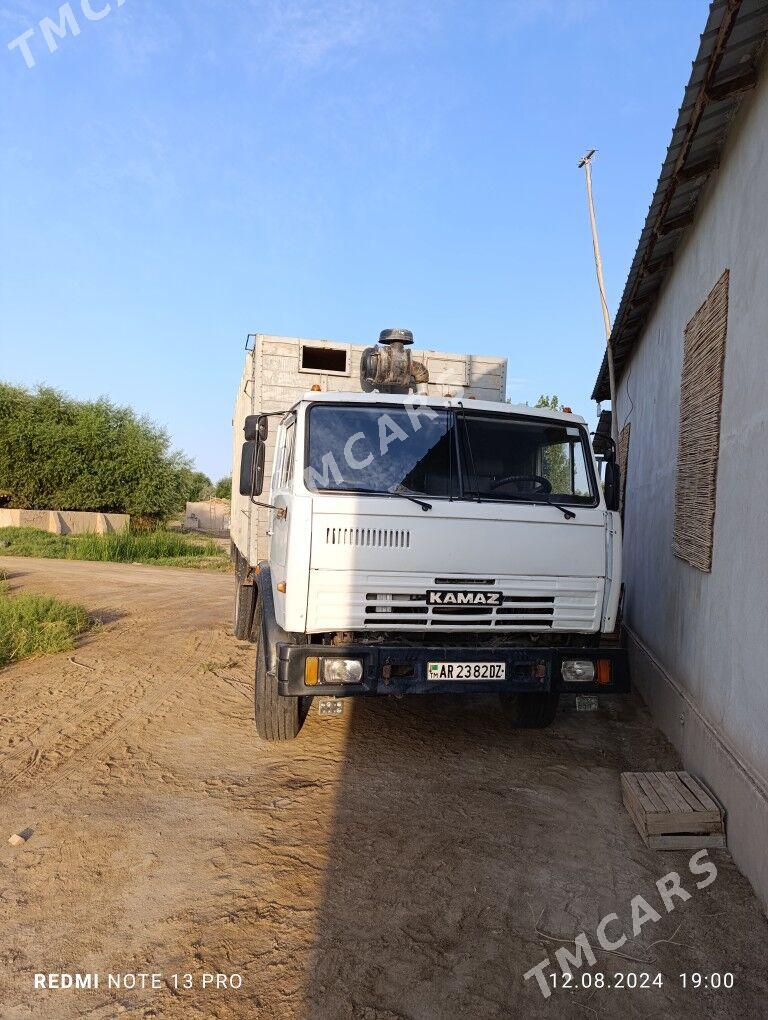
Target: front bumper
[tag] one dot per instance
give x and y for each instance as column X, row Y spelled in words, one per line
column 402, row 669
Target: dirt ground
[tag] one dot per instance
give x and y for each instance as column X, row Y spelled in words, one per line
column 411, row 860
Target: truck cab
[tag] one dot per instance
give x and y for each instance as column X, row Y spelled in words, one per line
column 422, row 544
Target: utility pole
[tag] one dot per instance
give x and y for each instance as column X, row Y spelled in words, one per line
column 585, row 162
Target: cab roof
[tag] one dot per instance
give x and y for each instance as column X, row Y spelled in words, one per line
column 497, row 407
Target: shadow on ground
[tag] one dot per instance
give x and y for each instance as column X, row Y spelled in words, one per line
column 464, row 852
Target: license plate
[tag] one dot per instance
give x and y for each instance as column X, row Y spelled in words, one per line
column 466, row 671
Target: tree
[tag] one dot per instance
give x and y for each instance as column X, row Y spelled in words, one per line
column 223, row 488
column 552, row 402
column 557, row 468
column 196, row 486
column 66, row 454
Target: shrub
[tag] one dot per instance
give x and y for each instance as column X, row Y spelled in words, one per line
column 32, row 624
column 223, row 488
column 87, row 455
column 195, row 485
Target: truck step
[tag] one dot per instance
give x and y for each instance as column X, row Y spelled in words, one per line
column 330, row 708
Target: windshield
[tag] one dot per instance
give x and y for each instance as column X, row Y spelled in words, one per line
column 428, row 451
column 382, row 449
column 508, row 458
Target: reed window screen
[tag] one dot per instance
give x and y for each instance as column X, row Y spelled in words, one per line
column 701, row 393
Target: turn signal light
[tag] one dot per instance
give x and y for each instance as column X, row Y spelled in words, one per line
column 311, row 670
column 603, row 671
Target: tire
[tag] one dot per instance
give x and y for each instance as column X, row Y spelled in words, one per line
column 276, row 718
column 530, row 711
column 245, row 601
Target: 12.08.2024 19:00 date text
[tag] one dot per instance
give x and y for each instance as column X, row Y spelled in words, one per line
column 640, row 980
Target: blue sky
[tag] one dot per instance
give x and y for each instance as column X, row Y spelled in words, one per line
column 180, row 174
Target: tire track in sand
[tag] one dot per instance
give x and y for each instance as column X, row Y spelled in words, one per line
column 92, row 721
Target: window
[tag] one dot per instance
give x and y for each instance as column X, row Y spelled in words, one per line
column 701, row 393
column 286, row 468
column 382, row 449
column 508, row 458
column 323, row 359
column 623, row 461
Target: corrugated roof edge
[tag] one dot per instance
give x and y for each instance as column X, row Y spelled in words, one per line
column 727, row 65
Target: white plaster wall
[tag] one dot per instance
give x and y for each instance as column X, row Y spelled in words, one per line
column 65, row 522
column 211, row 516
column 710, row 631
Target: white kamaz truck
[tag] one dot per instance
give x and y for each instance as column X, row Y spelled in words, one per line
column 424, row 544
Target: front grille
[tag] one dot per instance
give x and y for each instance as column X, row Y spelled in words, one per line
column 397, row 600
column 516, row 612
column 464, row 582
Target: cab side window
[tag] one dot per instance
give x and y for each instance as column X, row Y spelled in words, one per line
column 286, row 466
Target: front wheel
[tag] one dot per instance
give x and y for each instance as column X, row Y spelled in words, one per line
column 530, row 711
column 277, row 718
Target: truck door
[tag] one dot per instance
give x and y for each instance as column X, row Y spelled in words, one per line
column 282, row 481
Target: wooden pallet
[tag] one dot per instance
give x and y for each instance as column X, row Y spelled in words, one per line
column 672, row 811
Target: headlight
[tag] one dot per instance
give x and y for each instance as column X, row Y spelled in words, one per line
column 342, row 671
column 578, row 671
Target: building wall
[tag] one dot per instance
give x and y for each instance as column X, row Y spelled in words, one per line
column 211, row 516
column 65, row 522
column 701, row 648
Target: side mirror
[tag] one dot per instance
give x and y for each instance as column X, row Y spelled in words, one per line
column 252, row 467
column 612, row 485
column 602, row 444
column 256, row 426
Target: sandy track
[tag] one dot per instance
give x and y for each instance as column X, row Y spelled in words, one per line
column 396, row 863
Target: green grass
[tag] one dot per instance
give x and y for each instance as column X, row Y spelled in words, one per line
column 163, row 548
column 219, row 562
column 32, row 624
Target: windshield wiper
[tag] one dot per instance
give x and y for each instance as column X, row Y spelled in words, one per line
column 388, row 492
column 568, row 514
column 400, row 490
